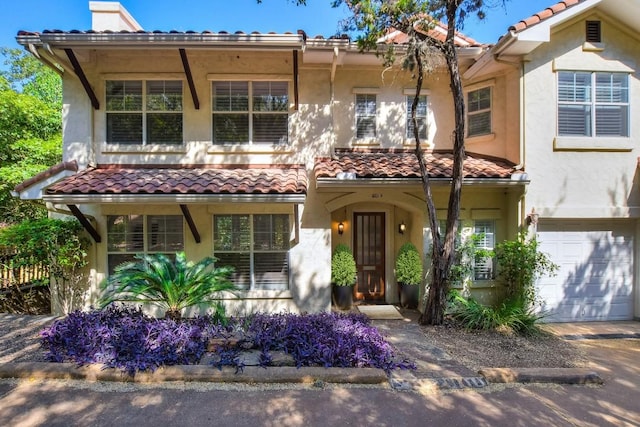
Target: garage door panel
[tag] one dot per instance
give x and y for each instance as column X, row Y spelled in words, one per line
column 595, row 279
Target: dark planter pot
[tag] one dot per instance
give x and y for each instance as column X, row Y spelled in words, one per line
column 343, row 297
column 409, row 295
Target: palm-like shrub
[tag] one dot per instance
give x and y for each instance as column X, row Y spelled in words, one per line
column 171, row 285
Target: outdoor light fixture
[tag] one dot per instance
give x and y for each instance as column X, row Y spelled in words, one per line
column 340, row 228
column 402, row 227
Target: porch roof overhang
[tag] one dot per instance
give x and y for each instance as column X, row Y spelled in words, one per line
column 375, row 168
column 183, row 185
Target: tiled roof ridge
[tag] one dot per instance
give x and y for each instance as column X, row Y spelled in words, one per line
column 544, row 14
column 201, row 166
column 53, row 170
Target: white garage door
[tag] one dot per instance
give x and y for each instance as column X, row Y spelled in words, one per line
column 595, row 280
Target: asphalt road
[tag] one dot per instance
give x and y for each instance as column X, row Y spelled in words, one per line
column 76, row 403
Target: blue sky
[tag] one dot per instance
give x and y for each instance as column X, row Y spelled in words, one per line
column 317, row 18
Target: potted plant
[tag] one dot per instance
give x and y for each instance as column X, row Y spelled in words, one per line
column 343, row 276
column 409, row 275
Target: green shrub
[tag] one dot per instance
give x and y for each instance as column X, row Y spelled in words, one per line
column 343, row 266
column 171, row 285
column 409, row 265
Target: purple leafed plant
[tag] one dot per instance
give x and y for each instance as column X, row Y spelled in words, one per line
column 125, row 338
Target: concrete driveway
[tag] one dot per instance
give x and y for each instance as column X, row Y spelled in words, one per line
column 66, row 403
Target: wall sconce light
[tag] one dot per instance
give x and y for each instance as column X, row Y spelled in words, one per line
column 402, row 227
column 340, row 228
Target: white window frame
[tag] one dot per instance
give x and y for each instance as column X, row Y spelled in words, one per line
column 251, row 250
column 250, row 112
column 145, row 111
column 473, row 113
column 408, row 125
column 366, row 96
column 487, row 229
column 591, row 103
column 145, row 246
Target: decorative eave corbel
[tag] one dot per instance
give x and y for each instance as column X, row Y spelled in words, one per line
column 85, row 223
column 192, row 225
column 83, row 78
column 187, row 72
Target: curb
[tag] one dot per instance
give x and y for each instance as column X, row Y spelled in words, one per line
column 578, row 376
column 195, row 373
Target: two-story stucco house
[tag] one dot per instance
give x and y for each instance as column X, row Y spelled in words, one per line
column 268, row 150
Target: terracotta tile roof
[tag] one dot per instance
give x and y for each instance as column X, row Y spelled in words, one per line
column 439, row 32
column 44, row 175
column 547, row 13
column 404, row 164
column 235, row 179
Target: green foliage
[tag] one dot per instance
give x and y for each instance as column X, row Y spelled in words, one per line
column 467, row 254
column 343, row 266
column 56, row 244
column 473, row 315
column 408, row 265
column 169, row 284
column 28, row 75
column 519, row 265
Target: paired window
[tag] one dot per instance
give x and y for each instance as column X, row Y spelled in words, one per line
column 479, row 112
column 250, row 112
column 144, row 112
column 128, row 235
column 421, row 117
column 366, row 115
column 593, row 104
column 257, row 246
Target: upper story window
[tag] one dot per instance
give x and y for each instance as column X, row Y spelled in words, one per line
column 250, row 112
column 128, row 235
column 421, row 117
column 144, row 112
column 366, row 115
column 479, row 112
column 257, row 246
column 593, row 104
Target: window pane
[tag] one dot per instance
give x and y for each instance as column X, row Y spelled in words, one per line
column 612, row 120
column 124, row 128
column 164, row 95
column 574, row 87
column 421, row 117
column 479, row 99
column 612, row 87
column 270, row 128
column 125, row 233
column 365, row 115
column 271, row 232
column 230, row 128
column 165, row 233
column 164, row 128
column 124, row 95
column 484, row 267
column 574, row 120
column 241, row 277
column 231, row 233
column 270, row 96
column 479, row 123
column 271, row 270
column 230, row 96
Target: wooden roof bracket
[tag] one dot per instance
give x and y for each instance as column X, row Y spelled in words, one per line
column 190, row 223
column 187, row 72
column 85, row 223
column 295, row 79
column 83, row 78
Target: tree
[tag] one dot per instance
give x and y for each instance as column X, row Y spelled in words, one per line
column 373, row 20
column 30, row 129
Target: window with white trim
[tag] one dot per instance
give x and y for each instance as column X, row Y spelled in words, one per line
column 257, row 246
column 250, row 112
column 479, row 112
column 484, row 268
column 128, row 235
column 421, row 117
column 144, row 112
column 366, row 115
column 593, row 104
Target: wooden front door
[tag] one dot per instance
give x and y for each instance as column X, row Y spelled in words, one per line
column 369, row 233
